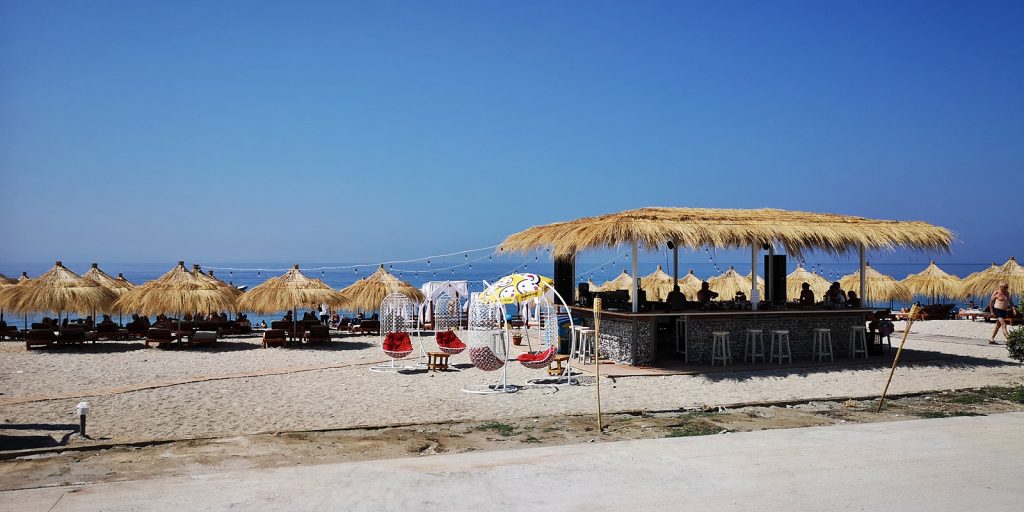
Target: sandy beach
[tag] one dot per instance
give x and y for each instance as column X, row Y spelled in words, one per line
column 239, row 388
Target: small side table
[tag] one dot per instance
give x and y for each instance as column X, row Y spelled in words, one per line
column 555, row 367
column 437, row 361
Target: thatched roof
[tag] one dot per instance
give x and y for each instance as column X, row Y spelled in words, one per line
column 621, row 282
column 933, row 282
column 366, row 294
column 118, row 286
column 177, row 291
column 725, row 228
column 730, row 282
column 795, row 280
column 690, row 284
column 210, row 278
column 985, row 282
column 7, row 280
column 57, row 290
column 880, row 287
column 291, row 290
column 657, row 284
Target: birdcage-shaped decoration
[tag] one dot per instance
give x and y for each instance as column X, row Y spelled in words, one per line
column 488, row 347
column 397, row 321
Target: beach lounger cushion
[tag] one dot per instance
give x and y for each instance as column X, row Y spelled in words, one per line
column 39, row 338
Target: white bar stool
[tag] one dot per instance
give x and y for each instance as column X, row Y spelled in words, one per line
column 754, row 346
column 720, row 348
column 822, row 344
column 584, row 344
column 858, row 341
column 782, row 349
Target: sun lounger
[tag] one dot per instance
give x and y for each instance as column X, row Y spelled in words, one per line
column 318, row 334
column 39, row 338
column 159, row 336
column 203, row 338
column 275, row 337
column 69, row 335
column 367, row 327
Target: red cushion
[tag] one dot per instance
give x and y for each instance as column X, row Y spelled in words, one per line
column 530, row 357
column 397, row 342
column 448, row 339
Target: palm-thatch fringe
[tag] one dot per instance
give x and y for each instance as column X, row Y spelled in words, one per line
column 288, row 291
column 690, row 285
column 366, row 294
column 726, row 228
column 623, row 281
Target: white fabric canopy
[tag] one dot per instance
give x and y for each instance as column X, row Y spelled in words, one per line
column 433, row 289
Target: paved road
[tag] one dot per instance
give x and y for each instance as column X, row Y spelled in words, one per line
column 968, row 463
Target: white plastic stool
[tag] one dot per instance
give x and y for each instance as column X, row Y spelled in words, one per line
column 782, row 350
column 822, row 344
column 584, row 344
column 720, row 348
column 858, row 341
column 754, row 346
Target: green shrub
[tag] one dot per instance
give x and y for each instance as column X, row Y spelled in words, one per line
column 1015, row 344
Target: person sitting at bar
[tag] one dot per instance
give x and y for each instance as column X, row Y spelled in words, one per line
column 806, row 295
column 852, row 300
column 676, row 299
column 835, row 296
column 705, row 294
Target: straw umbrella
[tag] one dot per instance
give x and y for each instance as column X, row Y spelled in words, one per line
column 730, row 282
column 4, row 282
column 622, row 282
column 657, row 284
column 592, row 286
column 690, row 284
column 289, row 291
column 59, row 290
column 985, row 282
column 795, row 280
column 933, row 282
column 118, row 286
column 366, row 294
column 880, row 286
column 177, row 291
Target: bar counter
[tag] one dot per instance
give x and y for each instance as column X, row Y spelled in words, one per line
column 632, row 338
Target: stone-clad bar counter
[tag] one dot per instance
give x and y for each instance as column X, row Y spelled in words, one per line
column 631, row 338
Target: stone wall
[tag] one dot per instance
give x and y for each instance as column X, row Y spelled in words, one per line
column 627, row 341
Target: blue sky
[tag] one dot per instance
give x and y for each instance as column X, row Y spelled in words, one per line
column 365, row 131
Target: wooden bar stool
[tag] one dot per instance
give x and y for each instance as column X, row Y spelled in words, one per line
column 780, row 347
column 754, row 346
column 858, row 341
column 720, row 348
column 822, row 344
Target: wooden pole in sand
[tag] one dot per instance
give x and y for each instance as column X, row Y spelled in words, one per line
column 597, row 358
column 906, row 332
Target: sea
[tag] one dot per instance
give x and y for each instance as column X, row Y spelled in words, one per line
column 476, row 271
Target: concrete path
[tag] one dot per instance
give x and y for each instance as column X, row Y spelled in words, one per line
column 967, row 463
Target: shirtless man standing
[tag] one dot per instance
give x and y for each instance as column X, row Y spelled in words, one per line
column 999, row 306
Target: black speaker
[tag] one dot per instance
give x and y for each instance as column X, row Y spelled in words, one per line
column 775, row 278
column 565, row 278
